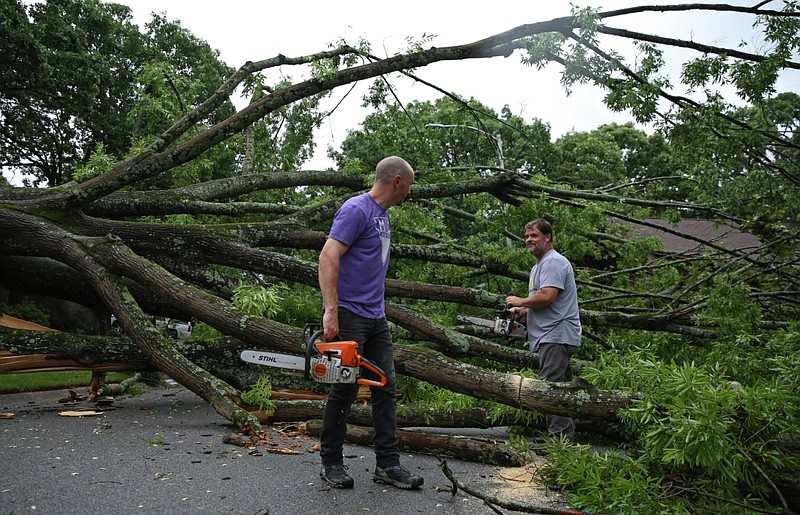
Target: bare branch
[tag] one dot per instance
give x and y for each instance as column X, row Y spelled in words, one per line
column 682, row 43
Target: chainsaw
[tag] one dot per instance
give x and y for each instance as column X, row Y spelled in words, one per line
column 324, row 362
column 504, row 322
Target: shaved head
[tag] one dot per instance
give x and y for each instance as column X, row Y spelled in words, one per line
column 391, row 166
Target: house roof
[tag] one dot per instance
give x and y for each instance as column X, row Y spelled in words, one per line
column 727, row 235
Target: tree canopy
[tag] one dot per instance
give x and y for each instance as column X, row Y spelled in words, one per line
column 80, row 74
column 165, row 199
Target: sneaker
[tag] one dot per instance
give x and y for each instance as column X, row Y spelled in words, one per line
column 336, row 476
column 397, row 476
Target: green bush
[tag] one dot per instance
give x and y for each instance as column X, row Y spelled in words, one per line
column 27, row 310
column 716, row 438
column 603, row 482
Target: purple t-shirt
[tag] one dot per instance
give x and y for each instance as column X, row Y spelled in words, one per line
column 363, row 226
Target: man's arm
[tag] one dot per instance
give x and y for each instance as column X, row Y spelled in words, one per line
column 542, row 298
column 329, row 259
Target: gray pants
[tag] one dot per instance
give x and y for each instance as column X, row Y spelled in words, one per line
column 555, row 366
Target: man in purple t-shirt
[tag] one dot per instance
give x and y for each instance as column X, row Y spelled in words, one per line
column 352, row 272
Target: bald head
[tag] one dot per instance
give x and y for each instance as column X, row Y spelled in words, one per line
column 393, row 180
column 391, row 166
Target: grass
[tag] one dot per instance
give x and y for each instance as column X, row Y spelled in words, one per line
column 38, row 381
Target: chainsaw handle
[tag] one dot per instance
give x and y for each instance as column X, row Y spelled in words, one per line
column 309, row 350
column 372, row 367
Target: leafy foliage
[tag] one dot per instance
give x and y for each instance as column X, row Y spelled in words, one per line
column 693, row 424
column 27, row 309
column 68, row 85
column 99, row 161
column 599, row 482
column 257, row 299
column 260, row 395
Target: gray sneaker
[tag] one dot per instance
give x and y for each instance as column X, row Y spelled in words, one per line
column 336, row 476
column 397, row 476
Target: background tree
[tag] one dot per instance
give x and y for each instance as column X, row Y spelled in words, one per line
column 696, row 354
column 69, row 84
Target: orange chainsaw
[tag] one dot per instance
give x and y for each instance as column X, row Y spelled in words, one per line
column 324, row 362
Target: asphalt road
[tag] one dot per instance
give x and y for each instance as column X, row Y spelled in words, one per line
column 164, row 452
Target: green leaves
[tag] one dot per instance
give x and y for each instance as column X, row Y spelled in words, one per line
column 419, row 44
column 258, row 299
column 72, row 72
column 260, row 395
column 730, row 306
column 696, row 424
column 542, row 48
column 640, row 96
column 709, row 69
column 603, row 480
column 99, row 162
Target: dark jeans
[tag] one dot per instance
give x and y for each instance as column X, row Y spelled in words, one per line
column 555, row 365
column 375, row 344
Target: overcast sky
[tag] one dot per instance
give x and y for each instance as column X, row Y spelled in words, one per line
column 245, row 30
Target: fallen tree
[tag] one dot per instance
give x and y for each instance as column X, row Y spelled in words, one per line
column 122, row 264
column 577, row 398
column 197, row 213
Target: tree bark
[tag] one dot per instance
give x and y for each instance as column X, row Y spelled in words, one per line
column 465, row 448
column 86, row 256
column 411, row 416
column 577, row 398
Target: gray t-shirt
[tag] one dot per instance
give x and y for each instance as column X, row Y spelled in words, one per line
column 560, row 321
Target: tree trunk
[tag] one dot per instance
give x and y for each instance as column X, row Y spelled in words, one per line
column 465, row 448
column 410, row 416
column 578, row 398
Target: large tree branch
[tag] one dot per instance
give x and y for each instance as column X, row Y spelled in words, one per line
column 82, row 254
column 697, row 7
column 614, row 199
column 150, row 163
column 683, row 43
column 140, row 203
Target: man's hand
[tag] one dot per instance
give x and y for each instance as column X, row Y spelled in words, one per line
column 330, row 324
column 519, row 313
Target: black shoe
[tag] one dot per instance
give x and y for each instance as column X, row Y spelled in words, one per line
column 336, row 476
column 397, row 476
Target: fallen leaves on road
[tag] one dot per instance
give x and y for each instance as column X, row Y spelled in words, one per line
column 280, row 439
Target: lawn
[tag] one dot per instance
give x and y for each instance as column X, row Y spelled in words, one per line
column 37, row 381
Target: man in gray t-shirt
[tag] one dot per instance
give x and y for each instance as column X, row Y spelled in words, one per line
column 554, row 325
